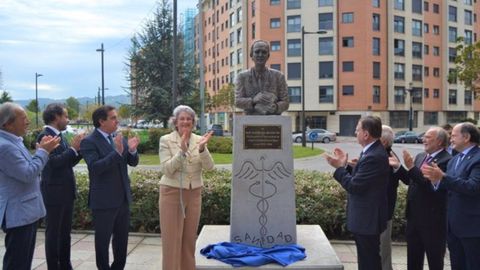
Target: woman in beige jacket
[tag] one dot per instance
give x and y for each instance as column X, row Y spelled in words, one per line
column 183, row 156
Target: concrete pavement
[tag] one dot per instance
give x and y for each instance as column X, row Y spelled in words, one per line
column 145, row 252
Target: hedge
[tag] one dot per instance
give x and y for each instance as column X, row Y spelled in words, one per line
column 319, row 200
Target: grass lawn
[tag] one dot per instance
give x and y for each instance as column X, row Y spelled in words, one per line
column 298, row 152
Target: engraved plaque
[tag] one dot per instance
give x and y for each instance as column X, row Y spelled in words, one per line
column 262, row 137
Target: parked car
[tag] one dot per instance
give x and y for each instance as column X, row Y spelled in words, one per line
column 407, row 137
column 217, row 130
column 420, row 137
column 324, row 136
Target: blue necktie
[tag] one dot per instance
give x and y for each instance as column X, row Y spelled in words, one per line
column 459, row 160
column 110, row 139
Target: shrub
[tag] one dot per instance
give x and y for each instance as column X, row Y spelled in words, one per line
column 30, row 139
column 319, row 200
column 221, row 145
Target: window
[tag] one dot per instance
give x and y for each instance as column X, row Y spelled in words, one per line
column 426, row 49
column 436, row 8
column 436, row 93
column 399, row 95
column 430, row 118
column 274, row 2
column 399, row 24
column 348, row 90
column 294, row 4
column 416, row 50
column 452, row 54
column 294, row 24
column 417, row 6
column 426, row 93
column 376, row 70
column 325, row 70
column 239, row 14
column 452, row 96
column 295, row 94
column 452, row 76
column 347, row 42
column 426, row 28
column 232, row 59
column 467, row 2
column 456, row 116
column 253, row 30
column 426, row 71
column 399, row 71
column 399, row 4
column 276, row 67
column 325, row 46
column 452, row 34
column 275, row 46
column 347, row 66
column 416, row 72
column 252, row 8
column 468, row 97
column 436, row 30
column 417, row 95
column 232, row 39
column 436, row 50
column 417, row 28
column 468, row 37
column 436, row 72
column 468, row 17
column 240, row 56
column 425, row 6
column 452, row 14
column 325, row 21
column 376, row 94
column 399, row 47
column 376, row 3
column 376, row 46
column 294, row 47
column 325, row 93
column 232, row 19
column 347, row 17
column 325, row 3
column 376, row 22
column 294, row 71
column 275, row 23
column 239, row 35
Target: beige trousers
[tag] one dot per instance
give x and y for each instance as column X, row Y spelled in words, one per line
column 179, row 234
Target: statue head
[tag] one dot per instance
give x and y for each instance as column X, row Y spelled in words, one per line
column 260, row 52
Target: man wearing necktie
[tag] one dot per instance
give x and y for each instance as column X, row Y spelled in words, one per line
column 462, row 182
column 366, row 186
column 426, row 209
column 59, row 188
column 109, row 193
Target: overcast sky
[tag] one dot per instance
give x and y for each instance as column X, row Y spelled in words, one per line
column 59, row 38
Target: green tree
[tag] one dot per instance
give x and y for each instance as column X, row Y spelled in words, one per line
column 5, row 97
column 150, row 68
column 467, row 68
column 124, row 111
column 73, row 107
column 32, row 106
column 225, row 98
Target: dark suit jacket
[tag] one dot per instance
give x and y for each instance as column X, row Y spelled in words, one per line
column 426, row 208
column 108, row 172
column 463, row 186
column 58, row 180
column 367, row 191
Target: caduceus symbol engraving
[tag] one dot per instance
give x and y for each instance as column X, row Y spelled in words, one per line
column 263, row 186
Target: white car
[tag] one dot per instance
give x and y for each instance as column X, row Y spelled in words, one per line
column 323, row 135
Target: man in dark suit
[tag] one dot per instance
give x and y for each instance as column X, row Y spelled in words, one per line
column 109, row 195
column 426, row 209
column 462, row 182
column 59, row 188
column 366, row 186
column 21, row 203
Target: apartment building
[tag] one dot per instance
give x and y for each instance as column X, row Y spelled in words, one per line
column 371, row 57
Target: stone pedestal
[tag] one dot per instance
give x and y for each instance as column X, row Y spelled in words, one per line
column 263, row 186
column 320, row 254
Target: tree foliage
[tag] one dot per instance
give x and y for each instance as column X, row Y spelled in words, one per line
column 150, row 64
column 124, row 111
column 73, row 107
column 467, row 62
column 5, row 97
column 225, row 98
column 33, row 106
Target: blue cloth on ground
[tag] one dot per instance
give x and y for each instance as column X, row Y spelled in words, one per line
column 239, row 255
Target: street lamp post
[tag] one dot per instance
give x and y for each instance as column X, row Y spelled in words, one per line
column 36, row 98
column 304, row 139
column 103, row 78
column 410, row 112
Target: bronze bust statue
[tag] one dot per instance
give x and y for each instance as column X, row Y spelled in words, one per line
column 261, row 90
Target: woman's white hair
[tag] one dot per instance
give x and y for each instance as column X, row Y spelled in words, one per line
column 176, row 112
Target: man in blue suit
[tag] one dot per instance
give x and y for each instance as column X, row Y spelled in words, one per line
column 21, row 203
column 366, row 185
column 59, row 188
column 462, row 182
column 107, row 155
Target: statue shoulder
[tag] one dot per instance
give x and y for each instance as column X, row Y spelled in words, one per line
column 275, row 72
